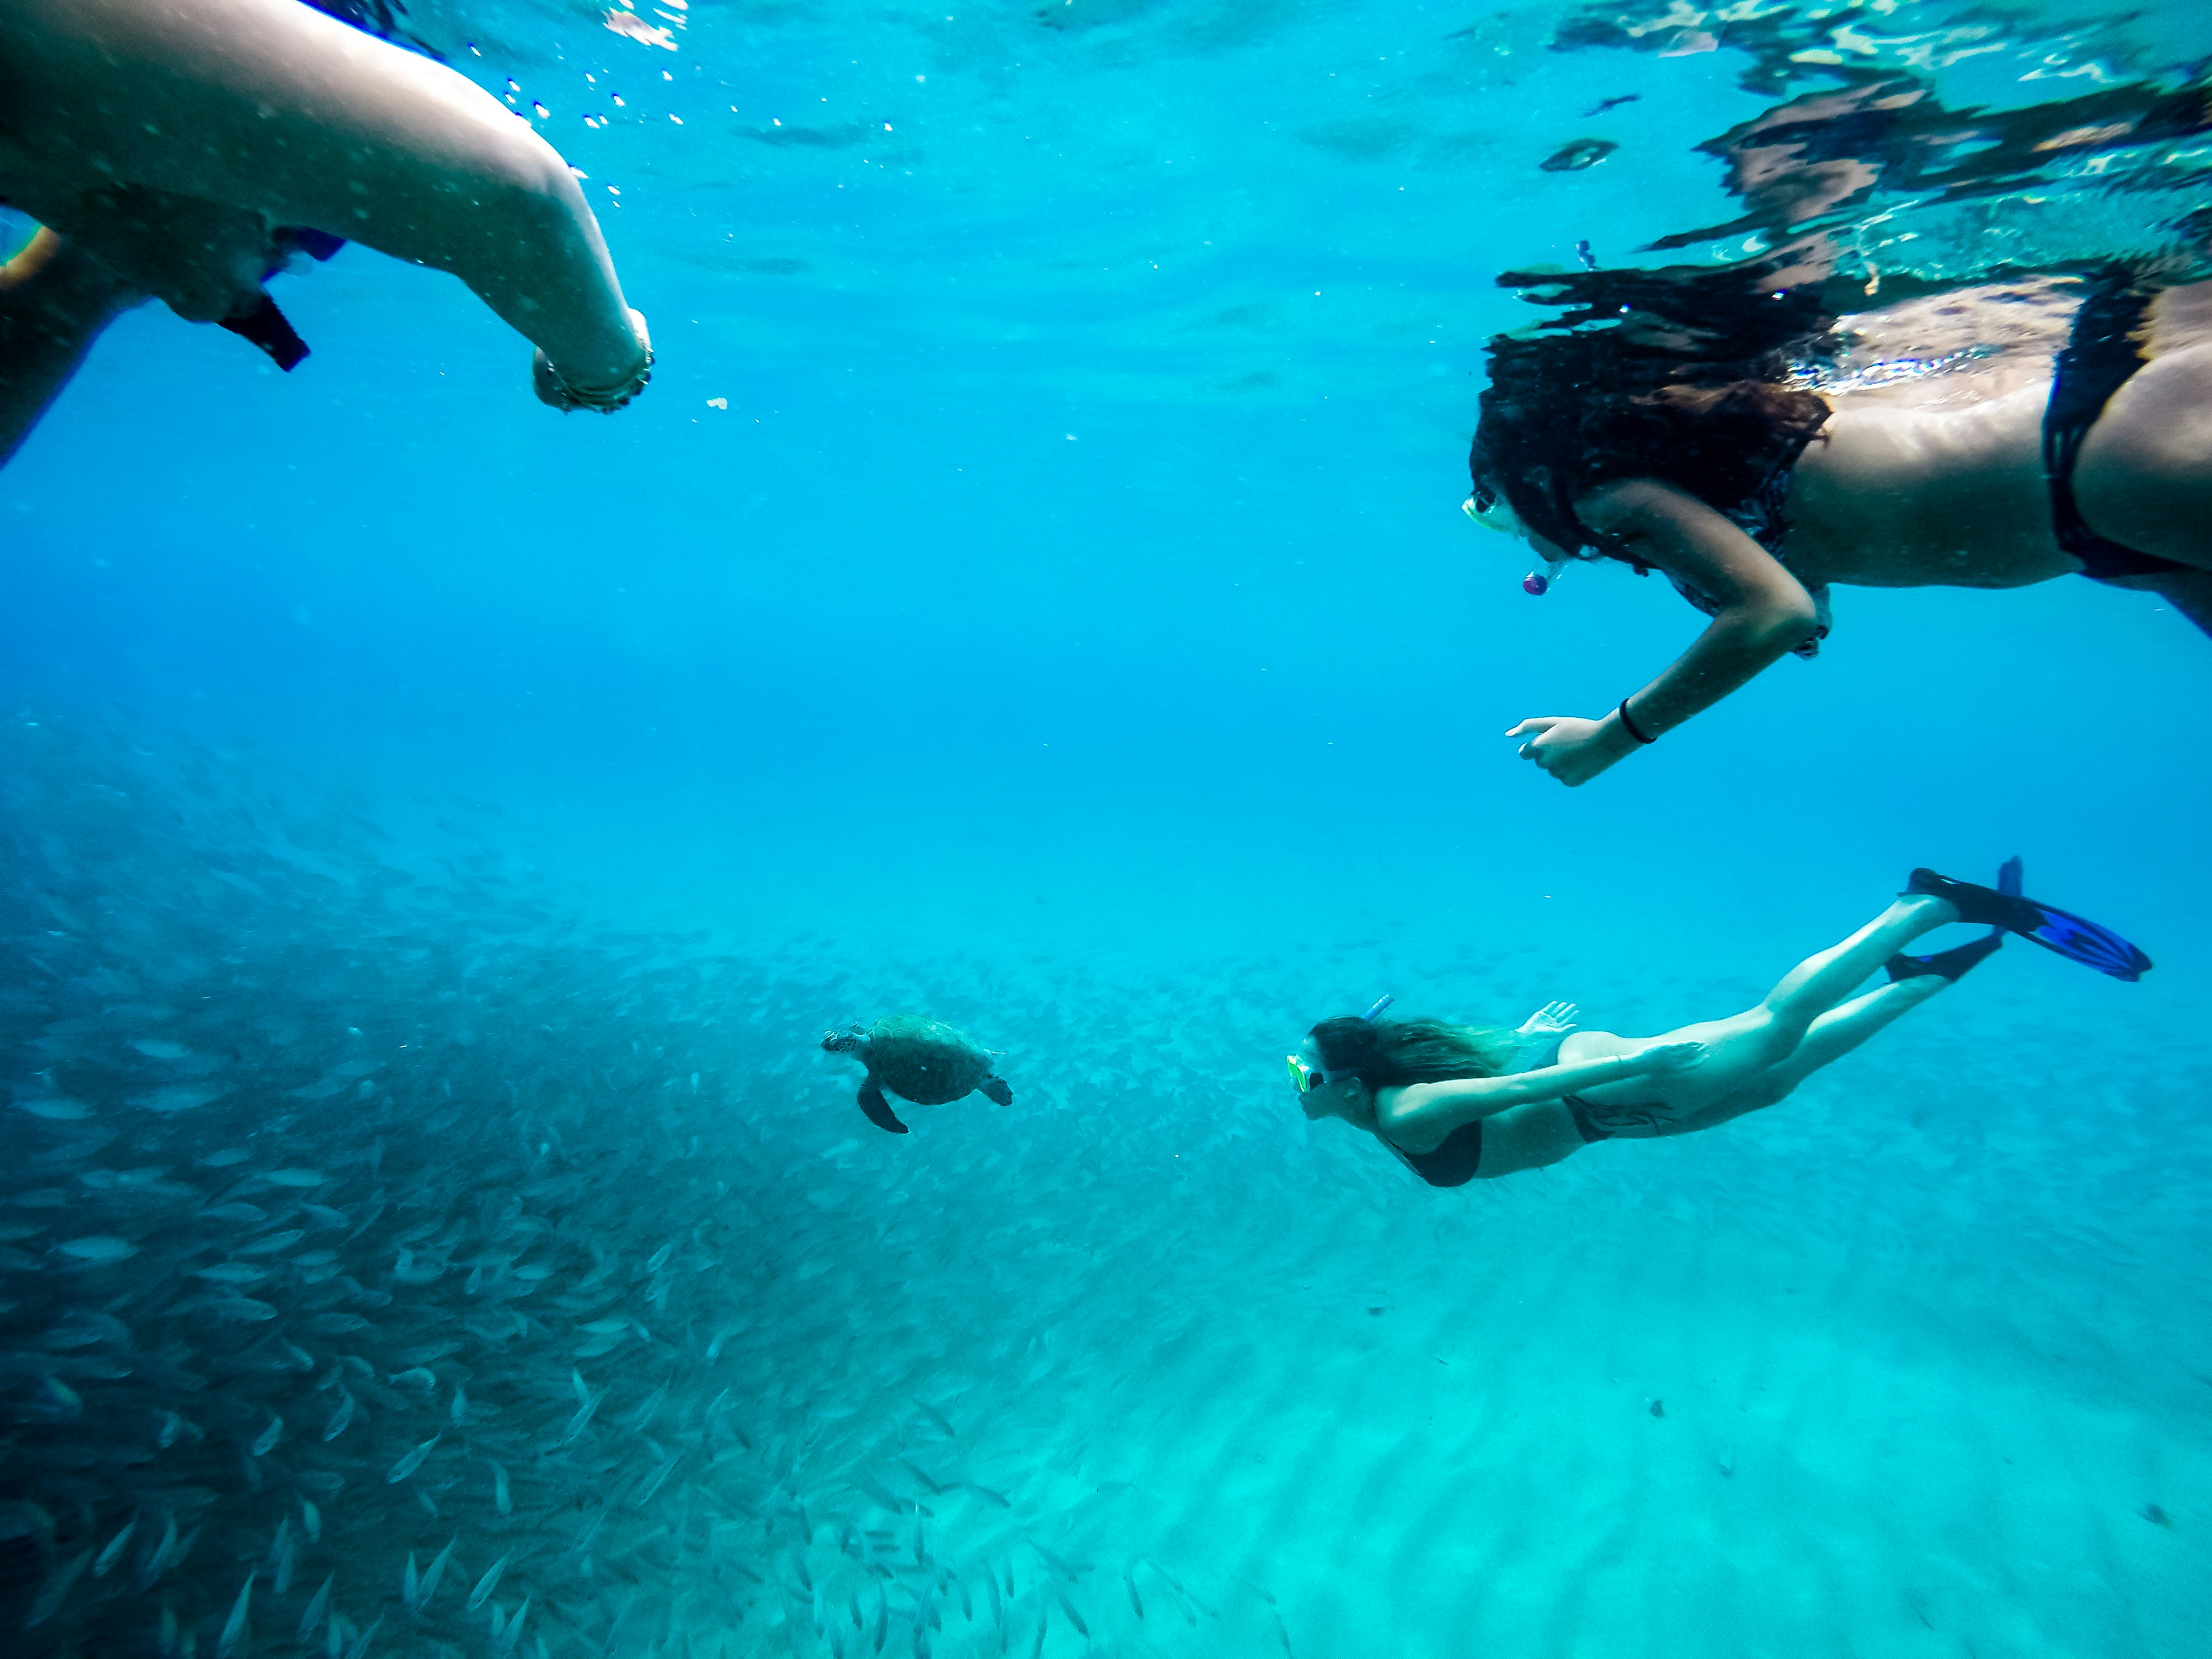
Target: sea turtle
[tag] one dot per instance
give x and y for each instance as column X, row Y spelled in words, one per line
column 923, row 1061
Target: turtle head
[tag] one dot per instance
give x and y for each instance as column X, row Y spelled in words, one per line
column 844, row 1042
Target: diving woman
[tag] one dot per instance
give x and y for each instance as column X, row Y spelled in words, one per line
column 1758, row 434
column 1446, row 1099
column 186, row 153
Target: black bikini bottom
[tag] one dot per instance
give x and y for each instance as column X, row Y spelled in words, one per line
column 2099, row 358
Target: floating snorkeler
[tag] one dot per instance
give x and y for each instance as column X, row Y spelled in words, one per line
column 186, row 152
column 1733, row 426
column 1451, row 1102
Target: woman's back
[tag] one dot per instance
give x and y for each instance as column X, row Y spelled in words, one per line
column 1930, row 468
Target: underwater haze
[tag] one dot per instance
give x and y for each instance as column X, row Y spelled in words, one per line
column 436, row 834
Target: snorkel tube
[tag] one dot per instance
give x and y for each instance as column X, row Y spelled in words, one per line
column 1537, row 583
column 1494, row 512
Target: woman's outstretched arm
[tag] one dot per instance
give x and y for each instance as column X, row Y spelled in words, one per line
column 1765, row 614
column 1421, row 1115
column 271, row 106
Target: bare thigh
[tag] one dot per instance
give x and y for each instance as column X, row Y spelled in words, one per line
column 2145, row 476
column 1739, row 1051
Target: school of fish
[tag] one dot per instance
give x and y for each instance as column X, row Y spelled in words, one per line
column 393, row 1265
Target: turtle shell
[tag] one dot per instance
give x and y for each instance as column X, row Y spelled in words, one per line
column 925, row 1061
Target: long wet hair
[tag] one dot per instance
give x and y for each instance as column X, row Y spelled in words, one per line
column 1390, row 1053
column 1676, row 374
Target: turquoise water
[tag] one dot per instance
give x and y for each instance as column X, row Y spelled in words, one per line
column 444, row 829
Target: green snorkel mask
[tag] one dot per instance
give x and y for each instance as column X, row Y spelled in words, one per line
column 1490, row 509
column 1306, row 1076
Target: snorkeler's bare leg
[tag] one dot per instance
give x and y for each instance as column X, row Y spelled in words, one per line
column 1820, row 982
column 2145, row 476
column 54, row 301
column 1741, row 1049
column 1829, row 1038
column 271, row 106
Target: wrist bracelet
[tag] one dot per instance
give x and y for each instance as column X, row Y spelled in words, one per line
column 1630, row 725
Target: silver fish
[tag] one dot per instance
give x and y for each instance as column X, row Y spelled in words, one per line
column 583, row 1416
column 284, row 1557
column 658, row 1476
column 98, row 1249
column 1068, row 1608
column 489, row 1583
column 233, row 1273
column 310, row 1518
column 583, row 1544
column 241, row 1307
column 513, row 1633
column 410, row 1584
column 640, row 1418
column 341, row 1417
column 234, row 1626
column 459, row 1409
column 360, row 1648
column 313, row 1616
column 164, row 1554
column 113, row 1552
column 266, row 1443
column 56, row 1590
column 501, row 1498
column 438, row 1568
column 407, row 1465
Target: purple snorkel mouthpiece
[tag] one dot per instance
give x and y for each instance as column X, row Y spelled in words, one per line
column 1537, row 583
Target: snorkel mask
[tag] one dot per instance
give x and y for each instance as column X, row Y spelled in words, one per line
column 1492, row 511
column 1306, row 1076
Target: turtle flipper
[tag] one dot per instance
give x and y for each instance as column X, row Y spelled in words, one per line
column 996, row 1088
column 879, row 1110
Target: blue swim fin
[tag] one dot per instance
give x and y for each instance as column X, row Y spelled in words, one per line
column 2081, row 940
column 2075, row 937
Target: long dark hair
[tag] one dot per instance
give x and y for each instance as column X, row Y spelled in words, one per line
column 1676, row 374
column 1387, row 1054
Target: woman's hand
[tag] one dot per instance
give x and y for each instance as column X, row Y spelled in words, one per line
column 1573, row 751
column 1666, row 1058
column 556, row 390
column 1553, row 1019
